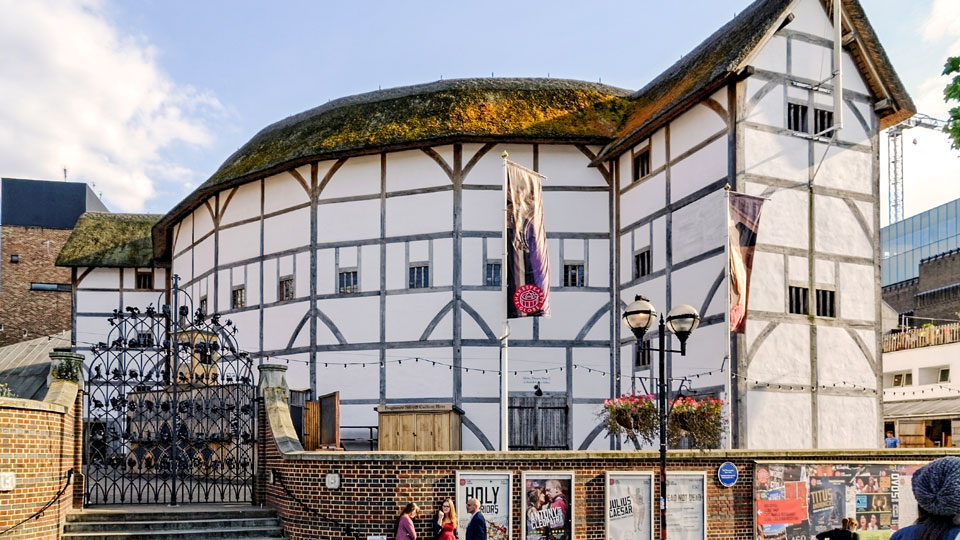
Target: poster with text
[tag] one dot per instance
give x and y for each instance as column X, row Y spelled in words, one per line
column 686, row 506
column 801, row 500
column 492, row 491
column 628, row 503
column 548, row 506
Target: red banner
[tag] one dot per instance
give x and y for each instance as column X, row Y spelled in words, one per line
column 789, row 511
column 743, row 217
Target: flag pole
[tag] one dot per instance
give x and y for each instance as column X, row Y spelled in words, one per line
column 727, row 383
column 504, row 338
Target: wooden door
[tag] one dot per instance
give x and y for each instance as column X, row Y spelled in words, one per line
column 426, row 440
column 912, row 433
column 311, row 425
column 408, row 432
column 538, row 423
column 389, row 432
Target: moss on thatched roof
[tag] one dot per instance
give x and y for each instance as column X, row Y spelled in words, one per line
column 546, row 109
column 110, row 240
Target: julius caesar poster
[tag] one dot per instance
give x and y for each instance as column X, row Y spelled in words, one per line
column 548, row 506
column 628, row 497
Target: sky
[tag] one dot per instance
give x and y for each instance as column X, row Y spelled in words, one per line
column 145, row 99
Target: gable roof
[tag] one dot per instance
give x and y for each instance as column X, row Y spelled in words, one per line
column 110, row 240
column 24, row 366
column 720, row 58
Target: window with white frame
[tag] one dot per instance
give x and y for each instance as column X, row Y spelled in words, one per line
column 799, row 301
column 641, row 164
column 642, row 263
column 903, row 379
column 944, row 376
column 826, row 303
column 419, row 276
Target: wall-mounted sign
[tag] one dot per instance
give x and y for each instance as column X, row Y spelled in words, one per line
column 548, row 505
column 727, row 474
column 629, row 512
column 492, row 491
column 797, row 500
column 686, row 506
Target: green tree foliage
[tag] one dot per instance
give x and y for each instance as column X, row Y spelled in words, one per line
column 952, row 94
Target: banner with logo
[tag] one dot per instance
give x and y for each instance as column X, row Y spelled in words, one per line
column 743, row 217
column 801, row 500
column 548, row 506
column 528, row 266
column 629, row 507
column 492, row 491
column 686, row 506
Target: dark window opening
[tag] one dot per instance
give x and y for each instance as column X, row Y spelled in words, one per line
column 54, row 287
column 286, row 288
column 144, row 280
column 944, row 375
column 203, row 305
column 491, row 277
column 145, row 339
column 822, row 120
column 797, row 118
column 642, row 264
column 347, row 282
column 643, row 355
column 419, row 277
column 799, row 301
column 238, row 298
column 641, row 164
column 14, row 259
column 826, row 303
column 573, row 275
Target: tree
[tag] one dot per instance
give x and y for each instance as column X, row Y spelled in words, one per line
column 952, row 94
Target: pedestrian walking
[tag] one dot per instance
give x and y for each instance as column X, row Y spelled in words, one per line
column 405, row 529
column 936, row 487
column 445, row 526
column 845, row 532
column 477, row 528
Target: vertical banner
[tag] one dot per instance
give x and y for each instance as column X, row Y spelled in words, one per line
column 629, row 506
column 528, row 265
column 800, row 500
column 492, row 491
column 686, row 506
column 548, row 506
column 743, row 217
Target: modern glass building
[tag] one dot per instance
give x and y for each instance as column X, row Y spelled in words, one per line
column 905, row 243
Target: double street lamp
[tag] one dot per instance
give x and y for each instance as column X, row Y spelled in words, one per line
column 681, row 321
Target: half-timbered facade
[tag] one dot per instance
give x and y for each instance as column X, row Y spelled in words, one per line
column 360, row 242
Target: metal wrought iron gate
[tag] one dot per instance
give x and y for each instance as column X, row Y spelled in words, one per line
column 170, row 410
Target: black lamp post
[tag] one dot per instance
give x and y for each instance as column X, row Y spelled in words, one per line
column 681, row 321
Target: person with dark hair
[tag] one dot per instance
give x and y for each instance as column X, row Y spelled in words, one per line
column 845, row 532
column 936, row 487
column 405, row 529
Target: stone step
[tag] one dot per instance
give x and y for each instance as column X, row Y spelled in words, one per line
column 208, row 522
column 181, row 534
column 133, row 513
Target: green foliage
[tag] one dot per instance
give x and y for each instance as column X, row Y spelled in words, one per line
column 633, row 416
column 951, row 93
column 701, row 422
column 5, row 391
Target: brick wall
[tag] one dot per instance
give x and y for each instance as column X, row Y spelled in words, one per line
column 41, row 313
column 375, row 486
column 40, row 443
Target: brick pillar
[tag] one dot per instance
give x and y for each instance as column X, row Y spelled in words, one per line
column 78, row 449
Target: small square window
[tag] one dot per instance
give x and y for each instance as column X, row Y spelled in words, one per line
column 238, row 298
column 573, row 275
column 643, row 355
column 822, row 120
column 826, row 303
column 944, row 375
column 286, row 289
column 347, row 282
column 797, row 118
column 642, row 264
column 203, row 305
column 14, row 259
column 144, row 280
column 799, row 301
column 145, row 339
column 491, row 275
column 419, row 276
column 641, row 164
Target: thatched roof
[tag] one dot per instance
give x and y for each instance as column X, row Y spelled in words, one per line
column 110, row 240
column 722, row 56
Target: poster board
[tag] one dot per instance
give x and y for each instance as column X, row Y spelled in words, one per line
column 628, row 500
column 800, row 500
column 547, row 505
column 492, row 490
column 686, row 505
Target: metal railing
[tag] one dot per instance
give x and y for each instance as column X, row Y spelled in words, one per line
column 922, row 337
column 372, row 440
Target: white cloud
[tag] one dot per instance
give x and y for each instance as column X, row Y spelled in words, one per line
column 75, row 92
column 931, row 168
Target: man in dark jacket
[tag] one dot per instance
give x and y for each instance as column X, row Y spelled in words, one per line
column 477, row 529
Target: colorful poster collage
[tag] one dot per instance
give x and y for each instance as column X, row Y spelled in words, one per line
column 628, row 503
column 797, row 501
column 548, row 512
column 492, row 491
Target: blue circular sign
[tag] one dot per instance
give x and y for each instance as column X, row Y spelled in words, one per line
column 727, row 474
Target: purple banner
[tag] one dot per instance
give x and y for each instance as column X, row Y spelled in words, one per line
column 528, row 266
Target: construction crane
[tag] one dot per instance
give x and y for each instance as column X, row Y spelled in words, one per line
column 895, row 153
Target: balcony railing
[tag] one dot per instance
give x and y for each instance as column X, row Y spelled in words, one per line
column 922, row 337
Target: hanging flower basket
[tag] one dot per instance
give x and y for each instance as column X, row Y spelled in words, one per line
column 633, row 416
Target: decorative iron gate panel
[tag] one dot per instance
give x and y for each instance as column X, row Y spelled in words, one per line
column 170, row 411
